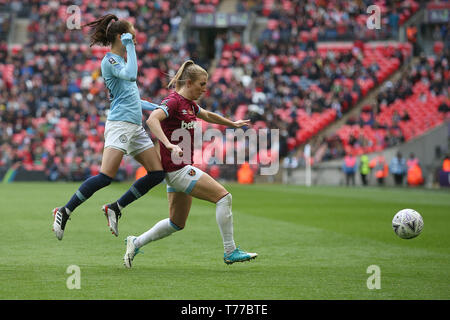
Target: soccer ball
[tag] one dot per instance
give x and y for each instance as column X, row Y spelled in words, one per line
column 407, row 223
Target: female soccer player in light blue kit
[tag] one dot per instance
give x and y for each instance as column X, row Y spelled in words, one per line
column 124, row 133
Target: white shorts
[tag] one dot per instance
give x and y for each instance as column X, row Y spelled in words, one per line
column 127, row 137
column 183, row 180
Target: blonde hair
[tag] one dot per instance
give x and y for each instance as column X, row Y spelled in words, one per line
column 188, row 71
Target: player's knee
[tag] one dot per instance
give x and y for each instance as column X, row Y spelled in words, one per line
column 225, row 200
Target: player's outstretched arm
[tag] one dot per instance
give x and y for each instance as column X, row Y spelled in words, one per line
column 218, row 119
column 146, row 105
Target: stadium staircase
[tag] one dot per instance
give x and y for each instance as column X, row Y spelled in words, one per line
column 227, row 6
column 19, row 31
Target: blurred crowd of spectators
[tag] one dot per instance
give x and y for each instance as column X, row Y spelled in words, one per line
column 432, row 71
column 322, row 20
column 53, row 104
column 279, row 81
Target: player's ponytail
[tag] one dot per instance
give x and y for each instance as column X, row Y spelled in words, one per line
column 106, row 28
column 188, row 71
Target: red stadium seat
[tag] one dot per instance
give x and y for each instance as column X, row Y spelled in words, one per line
column 214, row 171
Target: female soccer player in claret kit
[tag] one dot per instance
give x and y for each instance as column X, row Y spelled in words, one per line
column 124, row 133
column 184, row 181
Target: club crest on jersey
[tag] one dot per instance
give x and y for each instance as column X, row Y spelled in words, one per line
column 191, row 172
column 184, row 112
column 112, row 61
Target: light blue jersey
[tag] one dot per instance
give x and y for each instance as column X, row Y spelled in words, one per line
column 120, row 79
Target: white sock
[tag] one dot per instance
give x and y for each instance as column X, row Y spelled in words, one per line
column 224, row 218
column 160, row 230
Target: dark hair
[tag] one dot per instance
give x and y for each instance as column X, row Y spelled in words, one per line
column 105, row 29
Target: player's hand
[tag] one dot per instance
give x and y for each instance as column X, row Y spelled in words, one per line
column 126, row 38
column 241, row 123
column 175, row 150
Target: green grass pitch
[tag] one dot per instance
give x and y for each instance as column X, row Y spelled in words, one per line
column 313, row 243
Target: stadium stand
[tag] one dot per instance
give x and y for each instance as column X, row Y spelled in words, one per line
column 332, row 20
column 306, row 89
column 53, row 102
column 416, row 103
